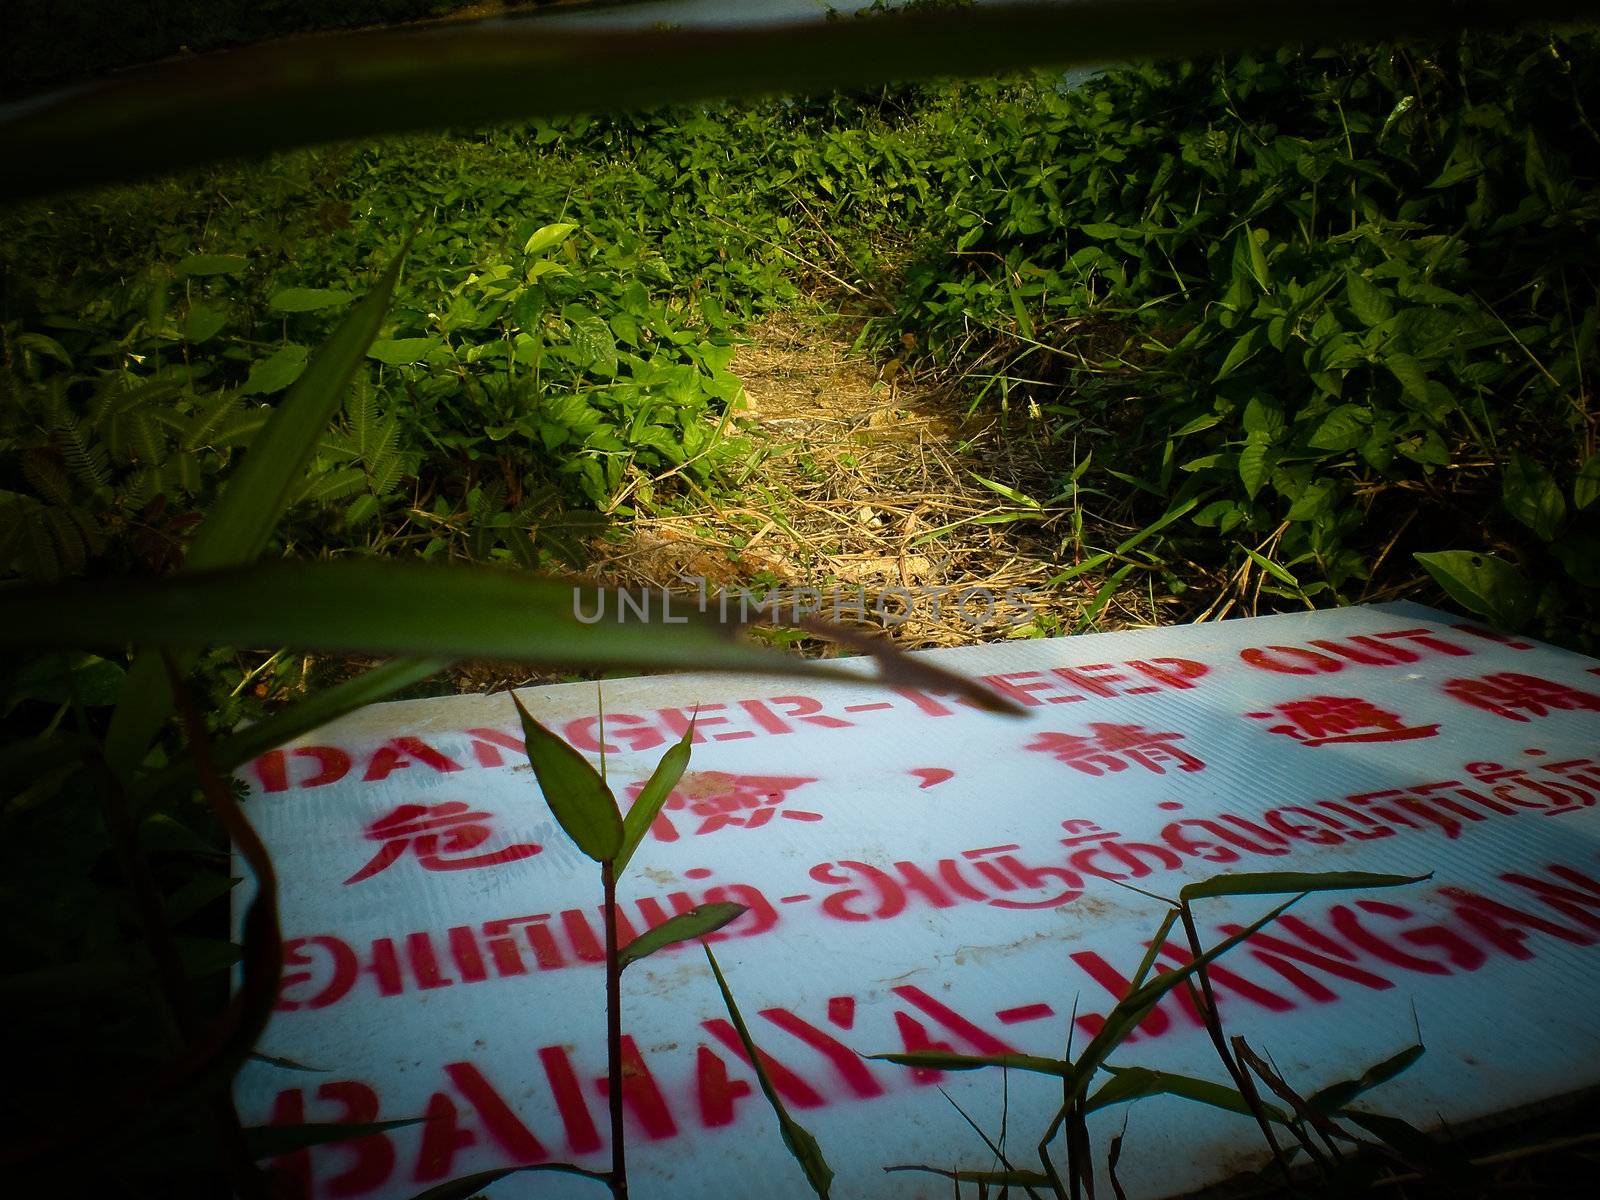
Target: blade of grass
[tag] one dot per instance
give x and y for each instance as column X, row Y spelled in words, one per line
column 1306, row 1118
column 1133, row 1083
column 1417, row 1148
column 312, row 90
column 372, row 606
column 1134, row 1007
column 997, row 1149
column 1213, row 1022
column 1335, row 1096
column 1281, row 883
column 801, row 1144
column 237, row 528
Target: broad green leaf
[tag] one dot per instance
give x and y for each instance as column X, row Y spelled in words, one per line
column 275, row 372
column 316, row 90
column 1481, row 583
column 1258, row 257
column 1255, row 464
column 1530, row 494
column 578, row 798
column 213, row 264
column 1203, row 421
column 1242, row 350
column 242, row 519
column 1369, row 302
column 801, row 1144
column 548, row 237
column 1283, row 883
column 1345, row 428
column 1335, row 1096
column 1580, row 555
column 43, row 343
column 1262, row 418
column 397, row 352
column 593, row 346
column 697, row 922
column 944, row 1060
column 1411, row 375
column 1134, row 1083
column 1586, row 488
column 648, row 803
column 299, row 299
column 202, row 323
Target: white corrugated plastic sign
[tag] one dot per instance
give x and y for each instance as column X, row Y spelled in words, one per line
column 921, row 874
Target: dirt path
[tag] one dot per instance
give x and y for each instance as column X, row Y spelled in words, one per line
column 869, row 488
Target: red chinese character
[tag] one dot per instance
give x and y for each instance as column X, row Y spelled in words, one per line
column 1114, row 747
column 1324, row 720
column 442, row 835
column 723, row 800
column 1506, row 691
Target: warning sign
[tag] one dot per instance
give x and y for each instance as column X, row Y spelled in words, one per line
column 919, row 874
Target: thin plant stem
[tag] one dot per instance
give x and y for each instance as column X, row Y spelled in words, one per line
column 619, row 1153
column 1213, row 1024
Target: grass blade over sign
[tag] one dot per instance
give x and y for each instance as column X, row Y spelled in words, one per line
column 1133, row 1083
column 314, row 90
column 1134, row 1007
column 372, row 606
column 1335, row 1096
column 1282, row 883
column 800, row 1142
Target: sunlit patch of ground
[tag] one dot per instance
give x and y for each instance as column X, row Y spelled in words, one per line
column 869, row 487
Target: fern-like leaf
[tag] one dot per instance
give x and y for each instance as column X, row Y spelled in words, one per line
column 332, row 485
column 72, row 555
column 47, row 477
column 84, row 457
column 145, row 440
column 362, row 509
column 241, row 427
column 361, row 410
column 211, row 415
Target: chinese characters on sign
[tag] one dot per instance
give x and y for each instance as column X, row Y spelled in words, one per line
column 443, row 835
column 916, row 875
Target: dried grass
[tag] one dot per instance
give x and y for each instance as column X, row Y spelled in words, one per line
column 864, row 482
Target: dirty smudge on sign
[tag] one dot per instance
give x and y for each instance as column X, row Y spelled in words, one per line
column 919, row 874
